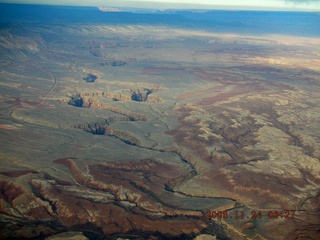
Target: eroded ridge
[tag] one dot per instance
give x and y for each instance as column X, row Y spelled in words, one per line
column 242, row 144
column 112, row 198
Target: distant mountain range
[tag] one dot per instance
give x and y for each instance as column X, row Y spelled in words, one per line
column 247, row 22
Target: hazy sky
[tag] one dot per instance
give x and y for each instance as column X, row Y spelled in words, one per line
column 233, row 4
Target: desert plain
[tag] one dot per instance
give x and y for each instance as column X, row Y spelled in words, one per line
column 135, row 131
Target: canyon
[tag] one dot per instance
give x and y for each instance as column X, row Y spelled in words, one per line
column 135, row 131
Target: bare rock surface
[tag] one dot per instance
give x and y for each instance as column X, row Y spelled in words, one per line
column 205, row 237
column 68, row 236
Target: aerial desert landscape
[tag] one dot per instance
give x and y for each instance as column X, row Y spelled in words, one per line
column 135, row 130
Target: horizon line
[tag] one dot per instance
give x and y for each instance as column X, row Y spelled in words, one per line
column 184, row 6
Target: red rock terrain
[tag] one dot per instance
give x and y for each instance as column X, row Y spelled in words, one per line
column 234, row 155
column 107, row 132
column 112, row 198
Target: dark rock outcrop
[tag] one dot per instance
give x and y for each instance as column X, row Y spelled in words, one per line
column 90, row 78
column 99, row 127
column 140, row 95
column 96, row 53
column 76, row 100
column 115, row 63
column 118, row 63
